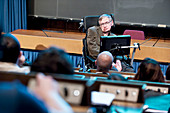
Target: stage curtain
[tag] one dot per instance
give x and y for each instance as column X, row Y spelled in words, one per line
column 163, row 66
column 1, row 15
column 15, row 15
column 77, row 60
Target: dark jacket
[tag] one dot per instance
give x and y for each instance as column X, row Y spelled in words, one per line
column 93, row 40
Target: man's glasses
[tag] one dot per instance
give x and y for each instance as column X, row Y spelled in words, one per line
column 106, row 23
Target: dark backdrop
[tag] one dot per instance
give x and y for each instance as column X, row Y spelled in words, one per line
column 142, row 12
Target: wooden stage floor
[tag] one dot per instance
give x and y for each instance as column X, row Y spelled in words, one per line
column 71, row 42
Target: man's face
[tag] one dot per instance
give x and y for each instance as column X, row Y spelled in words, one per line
column 106, row 24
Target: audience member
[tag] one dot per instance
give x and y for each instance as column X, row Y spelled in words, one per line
column 43, row 99
column 149, row 70
column 53, row 60
column 15, row 98
column 168, row 73
column 10, row 54
column 93, row 38
column 47, row 89
column 104, row 62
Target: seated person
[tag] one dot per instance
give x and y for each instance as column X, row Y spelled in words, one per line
column 104, row 62
column 94, row 33
column 11, row 54
column 168, row 73
column 53, row 60
column 93, row 38
column 149, row 70
column 43, row 99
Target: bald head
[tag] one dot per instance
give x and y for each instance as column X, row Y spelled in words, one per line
column 104, row 61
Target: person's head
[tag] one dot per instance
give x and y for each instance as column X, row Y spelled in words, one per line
column 168, row 73
column 149, row 70
column 105, row 22
column 104, row 61
column 9, row 48
column 116, row 76
column 52, row 60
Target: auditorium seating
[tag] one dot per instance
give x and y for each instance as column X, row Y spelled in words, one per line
column 93, row 75
column 123, row 90
column 65, row 81
column 74, row 91
column 156, row 86
column 128, row 75
column 77, row 91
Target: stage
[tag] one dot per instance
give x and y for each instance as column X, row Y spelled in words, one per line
column 71, row 42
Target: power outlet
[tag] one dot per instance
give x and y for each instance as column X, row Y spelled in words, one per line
column 71, row 92
column 159, row 89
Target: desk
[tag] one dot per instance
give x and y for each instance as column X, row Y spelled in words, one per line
column 122, row 107
column 160, row 52
column 72, row 43
column 37, row 40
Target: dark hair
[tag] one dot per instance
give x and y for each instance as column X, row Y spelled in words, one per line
column 116, row 76
column 53, row 60
column 168, row 73
column 9, row 48
column 149, row 70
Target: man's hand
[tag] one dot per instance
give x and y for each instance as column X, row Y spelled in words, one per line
column 118, row 65
column 47, row 90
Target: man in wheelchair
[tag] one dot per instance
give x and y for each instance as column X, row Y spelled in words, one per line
column 93, row 39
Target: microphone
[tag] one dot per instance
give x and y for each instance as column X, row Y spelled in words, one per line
column 81, row 25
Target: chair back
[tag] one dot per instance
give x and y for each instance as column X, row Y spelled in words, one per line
column 135, row 34
column 89, row 21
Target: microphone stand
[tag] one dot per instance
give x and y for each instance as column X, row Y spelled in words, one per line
column 136, row 45
column 145, row 41
column 44, row 33
column 156, row 42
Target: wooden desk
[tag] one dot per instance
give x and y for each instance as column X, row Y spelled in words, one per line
column 125, row 74
column 37, row 40
column 122, row 107
column 24, row 79
column 72, row 43
column 159, row 52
